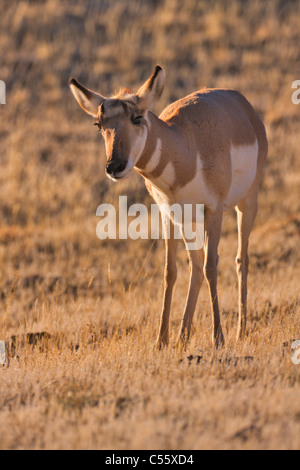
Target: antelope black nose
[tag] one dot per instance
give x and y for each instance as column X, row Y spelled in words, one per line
column 110, row 168
column 116, row 166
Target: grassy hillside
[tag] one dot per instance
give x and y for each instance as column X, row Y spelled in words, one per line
column 95, row 381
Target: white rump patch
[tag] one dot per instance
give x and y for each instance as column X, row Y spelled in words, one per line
column 244, row 167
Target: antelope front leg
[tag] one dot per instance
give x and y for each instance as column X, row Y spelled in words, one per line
column 169, row 281
column 196, row 277
column 213, row 224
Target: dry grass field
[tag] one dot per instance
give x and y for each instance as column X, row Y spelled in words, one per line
column 94, row 380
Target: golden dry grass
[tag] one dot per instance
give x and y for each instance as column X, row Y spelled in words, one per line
column 97, row 382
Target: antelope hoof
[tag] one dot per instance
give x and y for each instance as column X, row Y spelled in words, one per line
column 241, row 331
column 182, row 340
column 218, row 340
column 162, row 342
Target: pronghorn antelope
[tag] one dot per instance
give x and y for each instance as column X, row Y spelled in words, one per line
column 207, row 148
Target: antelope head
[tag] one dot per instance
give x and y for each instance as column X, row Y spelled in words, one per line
column 122, row 121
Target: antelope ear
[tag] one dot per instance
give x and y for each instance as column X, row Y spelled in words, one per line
column 88, row 100
column 152, row 89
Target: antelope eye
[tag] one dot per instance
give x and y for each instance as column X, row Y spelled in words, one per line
column 98, row 125
column 137, row 120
